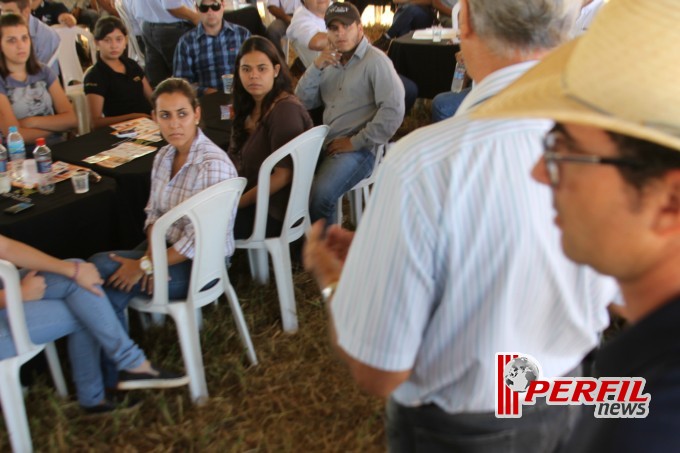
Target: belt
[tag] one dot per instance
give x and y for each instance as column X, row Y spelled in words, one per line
column 169, row 24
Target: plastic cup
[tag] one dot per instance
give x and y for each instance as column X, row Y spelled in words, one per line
column 29, row 172
column 437, row 33
column 227, row 83
column 81, row 181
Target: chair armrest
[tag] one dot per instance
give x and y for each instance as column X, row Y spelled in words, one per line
column 15, row 308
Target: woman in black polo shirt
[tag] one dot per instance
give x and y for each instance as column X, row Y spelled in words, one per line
column 116, row 87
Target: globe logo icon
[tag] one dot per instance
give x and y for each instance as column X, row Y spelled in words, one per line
column 519, row 373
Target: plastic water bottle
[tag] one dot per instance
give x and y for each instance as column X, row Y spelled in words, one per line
column 43, row 160
column 17, row 152
column 5, row 178
column 458, row 77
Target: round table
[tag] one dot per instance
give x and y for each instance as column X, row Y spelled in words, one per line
column 430, row 65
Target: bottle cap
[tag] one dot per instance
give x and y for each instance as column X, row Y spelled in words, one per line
column 13, row 129
column 40, row 141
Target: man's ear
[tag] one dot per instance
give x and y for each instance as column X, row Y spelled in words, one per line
column 464, row 23
column 668, row 211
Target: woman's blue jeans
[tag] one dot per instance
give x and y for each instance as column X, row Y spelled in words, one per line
column 91, row 325
column 178, row 286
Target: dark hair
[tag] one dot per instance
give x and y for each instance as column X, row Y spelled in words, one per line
column 243, row 101
column 655, row 159
column 175, row 85
column 32, row 64
column 21, row 4
column 107, row 25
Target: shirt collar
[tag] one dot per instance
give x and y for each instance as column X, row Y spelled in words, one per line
column 195, row 155
column 493, row 84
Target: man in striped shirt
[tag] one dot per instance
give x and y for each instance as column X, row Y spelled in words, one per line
column 209, row 51
column 457, row 259
column 612, row 162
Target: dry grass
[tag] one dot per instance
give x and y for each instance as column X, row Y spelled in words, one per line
column 300, row 397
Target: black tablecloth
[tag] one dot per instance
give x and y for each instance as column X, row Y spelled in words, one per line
column 133, row 178
column 247, row 17
column 65, row 224
column 430, row 65
column 217, row 129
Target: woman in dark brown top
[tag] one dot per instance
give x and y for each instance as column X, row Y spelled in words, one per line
column 267, row 115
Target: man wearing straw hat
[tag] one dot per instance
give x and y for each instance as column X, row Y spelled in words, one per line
column 457, row 260
column 612, row 161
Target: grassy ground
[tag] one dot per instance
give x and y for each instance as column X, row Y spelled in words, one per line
column 298, row 398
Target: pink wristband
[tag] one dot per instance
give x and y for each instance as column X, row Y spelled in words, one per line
column 75, row 275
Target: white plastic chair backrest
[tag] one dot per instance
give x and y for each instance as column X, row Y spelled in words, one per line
column 304, row 150
column 134, row 52
column 15, row 309
column 69, row 64
column 210, row 213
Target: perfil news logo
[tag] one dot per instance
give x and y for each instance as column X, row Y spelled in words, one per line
column 519, row 382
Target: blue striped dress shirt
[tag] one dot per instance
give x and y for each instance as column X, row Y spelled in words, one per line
column 457, row 259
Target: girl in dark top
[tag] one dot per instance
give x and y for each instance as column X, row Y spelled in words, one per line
column 116, row 87
column 267, row 115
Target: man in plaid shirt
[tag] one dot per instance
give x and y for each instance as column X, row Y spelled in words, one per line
column 209, row 51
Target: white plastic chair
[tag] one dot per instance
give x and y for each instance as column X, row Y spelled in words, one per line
column 304, row 150
column 69, row 64
column 361, row 192
column 11, row 395
column 210, row 212
column 134, row 52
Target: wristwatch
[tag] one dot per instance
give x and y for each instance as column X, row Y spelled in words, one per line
column 328, row 291
column 146, row 265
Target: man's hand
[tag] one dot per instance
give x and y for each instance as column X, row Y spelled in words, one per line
column 32, row 286
column 326, row 58
column 325, row 257
column 88, row 278
column 339, row 145
column 128, row 274
column 67, row 19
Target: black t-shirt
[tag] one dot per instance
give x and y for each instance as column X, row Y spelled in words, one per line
column 49, row 12
column 122, row 93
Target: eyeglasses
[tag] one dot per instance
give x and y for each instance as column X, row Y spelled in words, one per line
column 213, row 6
column 552, row 158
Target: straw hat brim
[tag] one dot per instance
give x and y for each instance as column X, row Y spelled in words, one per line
column 540, row 93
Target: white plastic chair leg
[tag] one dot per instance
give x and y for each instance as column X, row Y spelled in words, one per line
column 13, row 407
column 55, row 370
column 259, row 265
column 190, row 344
column 240, row 323
column 284, row 282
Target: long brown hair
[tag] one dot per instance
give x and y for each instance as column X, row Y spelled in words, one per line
column 243, row 101
column 32, row 64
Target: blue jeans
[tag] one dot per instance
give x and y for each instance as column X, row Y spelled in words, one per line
column 178, row 286
column 445, row 105
column 91, row 326
column 336, row 175
column 410, row 17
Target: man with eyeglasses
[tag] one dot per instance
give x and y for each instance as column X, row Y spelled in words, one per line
column 209, row 51
column 163, row 24
column 457, row 259
column 612, row 162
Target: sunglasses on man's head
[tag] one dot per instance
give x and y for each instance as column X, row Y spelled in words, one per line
column 212, row 6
